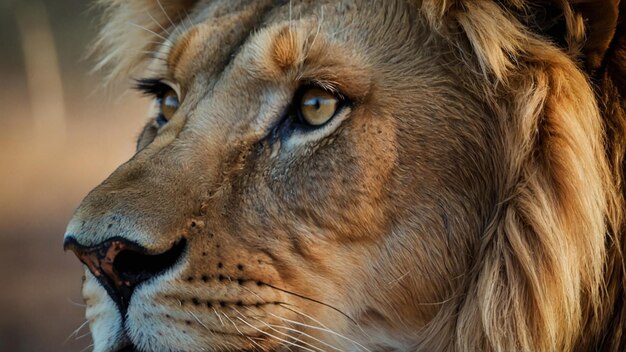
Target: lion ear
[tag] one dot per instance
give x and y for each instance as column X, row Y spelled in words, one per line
column 131, row 29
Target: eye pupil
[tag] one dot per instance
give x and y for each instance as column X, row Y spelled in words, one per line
column 169, row 104
column 317, row 106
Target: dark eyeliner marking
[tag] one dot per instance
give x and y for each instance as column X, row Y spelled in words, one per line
column 161, row 120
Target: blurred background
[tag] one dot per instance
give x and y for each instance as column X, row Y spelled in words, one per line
column 59, row 137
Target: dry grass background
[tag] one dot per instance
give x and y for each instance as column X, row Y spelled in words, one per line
column 59, row 137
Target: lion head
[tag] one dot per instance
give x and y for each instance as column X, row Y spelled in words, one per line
column 361, row 176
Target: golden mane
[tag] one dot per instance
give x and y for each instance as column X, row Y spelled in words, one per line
column 120, row 52
column 547, row 274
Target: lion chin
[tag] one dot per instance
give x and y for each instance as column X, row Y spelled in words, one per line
column 353, row 175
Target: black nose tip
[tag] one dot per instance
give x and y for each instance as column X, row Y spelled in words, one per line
column 120, row 265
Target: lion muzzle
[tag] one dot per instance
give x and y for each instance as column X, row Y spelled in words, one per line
column 121, row 265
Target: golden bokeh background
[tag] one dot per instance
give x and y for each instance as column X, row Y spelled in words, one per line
column 59, row 137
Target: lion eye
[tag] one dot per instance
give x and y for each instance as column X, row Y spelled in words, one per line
column 168, row 104
column 317, row 106
column 166, row 97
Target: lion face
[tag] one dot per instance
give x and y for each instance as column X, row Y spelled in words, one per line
column 316, row 176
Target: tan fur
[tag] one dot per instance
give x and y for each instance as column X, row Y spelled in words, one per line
column 284, row 50
column 472, row 199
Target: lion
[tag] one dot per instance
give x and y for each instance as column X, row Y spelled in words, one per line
column 351, row 175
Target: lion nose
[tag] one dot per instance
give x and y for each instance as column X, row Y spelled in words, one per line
column 120, row 265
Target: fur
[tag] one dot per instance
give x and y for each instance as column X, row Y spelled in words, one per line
column 471, row 198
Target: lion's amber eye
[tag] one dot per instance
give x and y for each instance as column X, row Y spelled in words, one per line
column 317, row 106
column 169, row 104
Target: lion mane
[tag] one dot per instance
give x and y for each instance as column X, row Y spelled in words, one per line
column 541, row 266
column 543, row 282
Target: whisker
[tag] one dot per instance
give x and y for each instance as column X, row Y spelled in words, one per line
column 152, row 54
column 275, row 337
column 146, row 29
column 321, row 327
column 69, row 300
column 82, row 336
column 305, row 315
column 307, row 335
column 198, row 320
column 75, row 332
column 315, row 301
column 188, row 18
column 235, row 325
column 310, row 317
column 280, row 332
column 86, row 348
column 254, row 293
column 218, row 316
column 167, row 44
column 235, row 347
column 255, row 343
column 158, row 24
column 165, row 13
